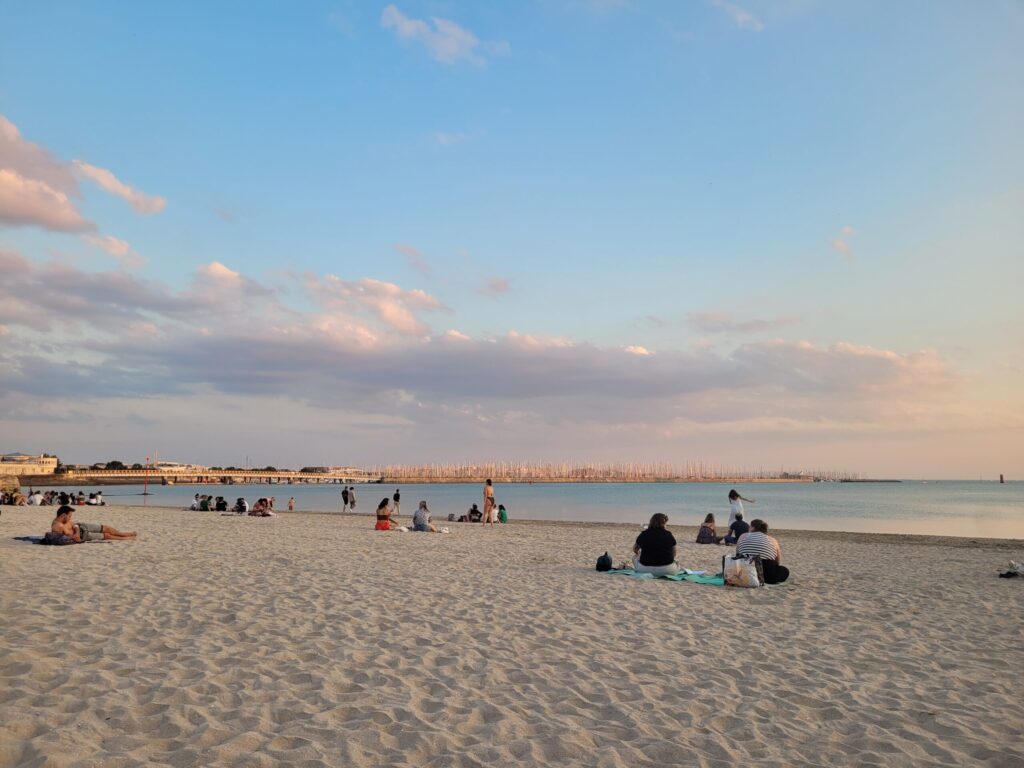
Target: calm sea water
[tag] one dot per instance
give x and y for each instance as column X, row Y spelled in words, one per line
column 948, row 508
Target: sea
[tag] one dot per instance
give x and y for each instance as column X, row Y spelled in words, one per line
column 981, row 509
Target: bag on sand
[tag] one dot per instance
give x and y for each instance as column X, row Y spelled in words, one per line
column 604, row 562
column 742, row 571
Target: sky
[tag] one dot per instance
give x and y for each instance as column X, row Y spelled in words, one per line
column 779, row 234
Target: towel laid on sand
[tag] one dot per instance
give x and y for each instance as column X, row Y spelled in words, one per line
column 39, row 540
column 716, row 580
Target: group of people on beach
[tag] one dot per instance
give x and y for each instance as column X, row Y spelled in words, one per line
column 37, row 498
column 264, row 506
column 708, row 532
column 655, row 548
column 422, row 519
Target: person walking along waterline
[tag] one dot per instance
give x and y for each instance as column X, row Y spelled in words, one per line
column 344, row 499
column 489, row 506
column 352, row 498
column 397, row 498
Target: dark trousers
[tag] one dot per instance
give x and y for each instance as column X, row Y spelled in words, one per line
column 773, row 572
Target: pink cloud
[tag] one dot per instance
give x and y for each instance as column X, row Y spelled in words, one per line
column 392, row 305
column 143, row 204
column 25, row 201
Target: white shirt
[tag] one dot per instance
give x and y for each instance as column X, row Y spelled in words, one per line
column 735, row 507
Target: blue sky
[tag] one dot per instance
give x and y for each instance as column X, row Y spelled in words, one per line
column 721, row 188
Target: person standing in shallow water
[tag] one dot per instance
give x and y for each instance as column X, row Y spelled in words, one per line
column 488, row 504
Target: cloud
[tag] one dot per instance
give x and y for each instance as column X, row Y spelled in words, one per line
column 495, row 286
column 391, row 304
column 841, row 243
column 119, row 249
column 25, row 202
column 143, row 204
column 443, row 139
column 75, row 337
column 740, row 17
column 30, row 161
column 720, row 322
column 446, row 42
column 414, row 258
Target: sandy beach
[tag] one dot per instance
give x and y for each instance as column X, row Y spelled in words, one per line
column 312, row 640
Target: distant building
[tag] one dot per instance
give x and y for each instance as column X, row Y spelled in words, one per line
column 174, row 466
column 26, row 464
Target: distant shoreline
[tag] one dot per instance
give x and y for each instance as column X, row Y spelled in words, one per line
column 74, row 482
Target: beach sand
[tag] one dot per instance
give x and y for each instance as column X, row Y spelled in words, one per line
column 312, row 640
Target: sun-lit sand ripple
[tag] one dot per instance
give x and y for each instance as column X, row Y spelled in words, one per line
column 311, row 640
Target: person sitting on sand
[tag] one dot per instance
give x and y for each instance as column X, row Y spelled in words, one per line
column 421, row 519
column 64, row 524
column 738, row 528
column 384, row 516
column 474, row 515
column 655, row 548
column 502, row 514
column 262, row 508
column 757, row 543
column 241, row 506
column 707, row 533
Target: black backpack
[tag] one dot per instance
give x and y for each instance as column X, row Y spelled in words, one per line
column 604, row 562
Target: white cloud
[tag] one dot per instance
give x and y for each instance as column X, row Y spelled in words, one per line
column 143, row 204
column 217, row 271
column 391, row 304
column 25, row 201
column 740, row 17
column 31, row 161
column 446, row 42
column 119, row 249
column 638, row 350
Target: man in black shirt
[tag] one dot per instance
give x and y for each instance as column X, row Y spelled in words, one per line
column 655, row 548
column 397, row 498
column 738, row 528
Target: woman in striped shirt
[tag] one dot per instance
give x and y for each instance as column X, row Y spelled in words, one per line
column 757, row 543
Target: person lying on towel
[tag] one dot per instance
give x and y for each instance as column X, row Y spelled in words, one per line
column 64, row 524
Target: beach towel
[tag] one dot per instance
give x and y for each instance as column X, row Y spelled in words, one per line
column 39, row 540
column 696, row 578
